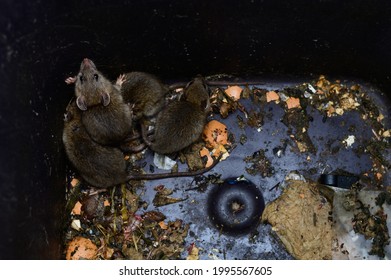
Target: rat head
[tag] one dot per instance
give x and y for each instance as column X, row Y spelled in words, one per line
column 197, row 92
column 91, row 87
column 72, row 113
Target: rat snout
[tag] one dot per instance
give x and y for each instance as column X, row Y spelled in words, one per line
column 87, row 63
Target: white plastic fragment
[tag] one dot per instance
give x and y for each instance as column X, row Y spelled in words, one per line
column 294, row 175
column 307, row 95
column 163, row 162
column 241, row 178
column 349, row 141
column 311, row 88
column 76, row 224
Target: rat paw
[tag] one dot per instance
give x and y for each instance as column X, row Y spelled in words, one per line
column 120, row 80
column 70, row 80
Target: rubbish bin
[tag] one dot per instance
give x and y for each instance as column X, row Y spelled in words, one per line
column 42, row 43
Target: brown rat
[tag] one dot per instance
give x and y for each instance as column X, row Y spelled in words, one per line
column 99, row 165
column 145, row 91
column 197, row 92
column 182, row 121
column 106, row 117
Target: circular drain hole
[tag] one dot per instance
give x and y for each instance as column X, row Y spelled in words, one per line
column 235, row 206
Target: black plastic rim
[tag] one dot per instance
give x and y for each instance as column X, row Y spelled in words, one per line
column 235, row 206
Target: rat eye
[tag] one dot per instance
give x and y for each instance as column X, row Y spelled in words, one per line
column 96, row 77
column 81, row 78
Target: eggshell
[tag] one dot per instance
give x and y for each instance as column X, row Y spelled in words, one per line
column 330, row 111
column 205, row 152
column 293, row 102
column 77, row 209
column 272, row 96
column 339, row 111
column 215, row 133
column 193, row 253
column 81, row 248
column 386, row 133
column 74, row 182
column 234, row 92
column 220, row 149
column 163, row 225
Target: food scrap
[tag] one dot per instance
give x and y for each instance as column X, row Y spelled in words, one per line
column 77, row 208
column 74, row 182
column 215, row 133
column 297, row 121
column 163, row 197
column 349, row 141
column 260, row 164
column 81, row 248
column 300, row 218
column 204, row 152
column 293, row 102
column 361, row 222
column 193, row 253
column 215, row 136
column 110, row 228
column 226, row 101
column 272, row 96
column 234, row 92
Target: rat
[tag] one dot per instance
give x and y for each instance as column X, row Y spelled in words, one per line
column 197, row 92
column 181, row 122
column 105, row 115
column 103, row 166
column 148, row 95
column 145, row 91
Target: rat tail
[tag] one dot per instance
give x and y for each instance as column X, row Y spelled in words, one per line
column 173, row 175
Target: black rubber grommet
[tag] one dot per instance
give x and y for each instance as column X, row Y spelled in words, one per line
column 235, row 206
column 339, row 181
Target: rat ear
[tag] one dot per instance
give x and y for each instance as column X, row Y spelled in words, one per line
column 205, row 105
column 81, row 103
column 105, row 98
column 189, row 83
